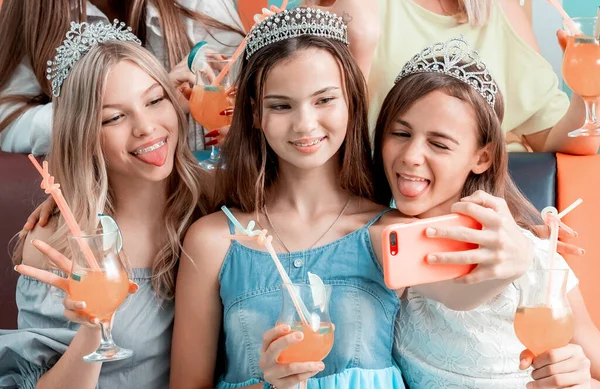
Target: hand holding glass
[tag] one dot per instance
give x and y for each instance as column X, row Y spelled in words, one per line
column 318, row 329
column 211, row 105
column 543, row 320
column 581, row 70
column 103, row 290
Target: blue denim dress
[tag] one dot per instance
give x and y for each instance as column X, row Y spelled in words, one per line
column 142, row 323
column 362, row 309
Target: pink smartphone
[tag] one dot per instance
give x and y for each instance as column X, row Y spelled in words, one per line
column 405, row 248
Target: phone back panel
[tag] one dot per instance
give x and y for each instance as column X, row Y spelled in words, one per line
column 408, row 267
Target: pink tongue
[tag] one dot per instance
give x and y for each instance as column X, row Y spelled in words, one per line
column 410, row 188
column 156, row 157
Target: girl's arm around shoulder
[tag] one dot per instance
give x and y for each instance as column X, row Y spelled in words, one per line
column 32, row 256
column 198, row 308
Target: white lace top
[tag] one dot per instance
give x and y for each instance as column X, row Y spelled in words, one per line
column 440, row 348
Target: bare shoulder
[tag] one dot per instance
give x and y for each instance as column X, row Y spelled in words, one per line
column 32, row 256
column 204, row 245
column 520, row 22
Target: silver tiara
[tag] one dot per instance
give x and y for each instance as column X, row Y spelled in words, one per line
column 454, row 58
column 79, row 40
column 293, row 23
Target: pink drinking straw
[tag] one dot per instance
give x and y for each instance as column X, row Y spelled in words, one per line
column 257, row 18
column 265, row 240
column 52, row 189
column 574, row 29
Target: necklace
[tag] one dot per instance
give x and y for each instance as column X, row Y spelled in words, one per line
column 320, row 237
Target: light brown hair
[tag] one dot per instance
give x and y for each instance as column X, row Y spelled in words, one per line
column 76, row 158
column 31, row 30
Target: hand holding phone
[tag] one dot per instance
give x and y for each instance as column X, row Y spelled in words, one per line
column 406, row 246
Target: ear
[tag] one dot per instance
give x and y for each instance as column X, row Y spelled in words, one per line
column 483, row 160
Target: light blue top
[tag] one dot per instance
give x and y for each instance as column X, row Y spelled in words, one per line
column 362, row 309
column 142, row 323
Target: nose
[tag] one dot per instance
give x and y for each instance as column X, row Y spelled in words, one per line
column 305, row 121
column 143, row 125
column 413, row 153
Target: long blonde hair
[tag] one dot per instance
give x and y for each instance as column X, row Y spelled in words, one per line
column 77, row 162
column 33, row 29
column 474, row 12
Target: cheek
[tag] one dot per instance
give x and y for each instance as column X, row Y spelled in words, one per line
column 389, row 152
column 113, row 144
column 337, row 119
column 169, row 119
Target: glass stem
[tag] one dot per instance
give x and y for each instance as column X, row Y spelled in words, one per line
column 214, row 153
column 590, row 114
column 107, row 341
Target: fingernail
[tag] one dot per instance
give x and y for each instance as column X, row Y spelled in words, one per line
column 430, row 231
column 226, row 112
column 16, row 266
column 582, row 251
column 285, row 328
column 299, row 335
column 80, row 305
column 95, row 321
column 212, row 133
column 432, row 259
column 575, row 234
column 320, row 366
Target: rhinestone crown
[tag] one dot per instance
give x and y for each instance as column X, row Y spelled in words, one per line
column 454, row 58
column 293, row 23
column 79, row 40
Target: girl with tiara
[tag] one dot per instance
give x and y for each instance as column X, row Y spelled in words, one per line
column 299, row 163
column 119, row 148
column 30, row 30
column 439, row 148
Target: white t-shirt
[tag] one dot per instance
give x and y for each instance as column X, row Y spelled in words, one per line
column 31, row 132
column 440, row 348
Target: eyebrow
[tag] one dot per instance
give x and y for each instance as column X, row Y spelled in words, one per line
column 436, row 134
column 319, row 92
column 146, row 92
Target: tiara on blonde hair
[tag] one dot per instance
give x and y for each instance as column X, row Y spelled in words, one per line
column 293, row 23
column 454, row 58
column 79, row 40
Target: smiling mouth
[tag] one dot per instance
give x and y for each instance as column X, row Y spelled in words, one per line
column 150, row 148
column 308, row 144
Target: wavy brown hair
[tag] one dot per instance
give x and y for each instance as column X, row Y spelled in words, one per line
column 31, row 30
column 252, row 165
column 76, row 159
column 495, row 180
